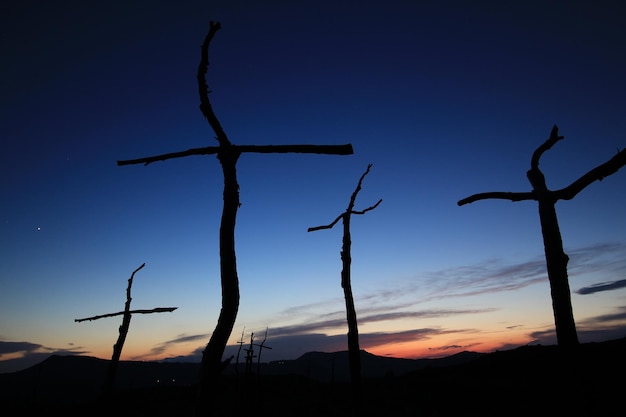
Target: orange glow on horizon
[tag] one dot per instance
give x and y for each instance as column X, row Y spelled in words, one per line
column 441, row 348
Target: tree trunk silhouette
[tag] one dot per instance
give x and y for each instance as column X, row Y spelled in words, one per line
column 354, row 351
column 556, row 263
column 556, row 258
column 227, row 154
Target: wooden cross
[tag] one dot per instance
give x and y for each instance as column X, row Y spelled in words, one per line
column 117, row 347
column 556, row 259
column 354, row 352
column 240, row 343
column 228, row 154
column 250, row 355
column 261, row 347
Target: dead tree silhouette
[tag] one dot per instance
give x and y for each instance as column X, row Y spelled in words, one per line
column 556, row 258
column 354, row 352
column 117, row 347
column 250, row 356
column 227, row 154
column 240, row 343
column 261, row 347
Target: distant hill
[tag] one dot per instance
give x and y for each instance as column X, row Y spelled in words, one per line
column 66, row 377
column 335, row 367
column 529, row 380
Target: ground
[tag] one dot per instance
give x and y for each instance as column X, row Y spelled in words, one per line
column 531, row 380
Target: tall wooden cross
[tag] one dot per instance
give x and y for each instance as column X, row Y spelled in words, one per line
column 354, row 351
column 556, row 258
column 228, row 154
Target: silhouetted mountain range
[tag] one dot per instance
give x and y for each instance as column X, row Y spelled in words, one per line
column 527, row 380
column 334, row 367
column 82, row 376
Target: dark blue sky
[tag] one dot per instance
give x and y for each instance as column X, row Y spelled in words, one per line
column 445, row 99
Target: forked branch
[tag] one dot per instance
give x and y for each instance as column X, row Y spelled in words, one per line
column 549, row 143
column 567, row 193
column 597, row 174
column 556, row 258
column 350, row 210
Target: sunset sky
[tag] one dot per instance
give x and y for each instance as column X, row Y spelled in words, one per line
column 444, row 98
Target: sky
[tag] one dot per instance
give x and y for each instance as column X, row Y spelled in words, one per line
column 444, row 98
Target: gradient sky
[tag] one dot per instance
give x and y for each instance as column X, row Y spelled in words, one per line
column 444, row 98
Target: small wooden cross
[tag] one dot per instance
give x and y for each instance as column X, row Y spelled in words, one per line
column 127, row 313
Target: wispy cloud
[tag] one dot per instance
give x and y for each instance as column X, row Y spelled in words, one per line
column 452, row 348
column 602, row 286
column 316, row 323
column 618, row 316
column 608, row 259
column 401, row 315
column 183, row 338
column 17, row 347
column 371, row 340
column 395, row 304
column 494, row 275
column 490, row 276
column 340, row 321
column 593, row 329
column 20, row 355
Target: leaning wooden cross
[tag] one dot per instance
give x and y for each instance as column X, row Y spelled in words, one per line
column 556, row 259
column 117, row 347
column 354, row 351
column 228, row 154
column 261, row 347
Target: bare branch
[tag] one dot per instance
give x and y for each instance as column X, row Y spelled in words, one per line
column 150, row 159
column 210, row 150
column 262, row 344
column 130, row 284
column 119, row 313
column 554, row 138
column 126, row 320
column 135, row 271
column 319, row 149
column 497, row 194
column 203, row 88
column 367, row 209
column 349, row 210
column 154, row 310
column 328, row 226
column 357, row 189
column 597, row 174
